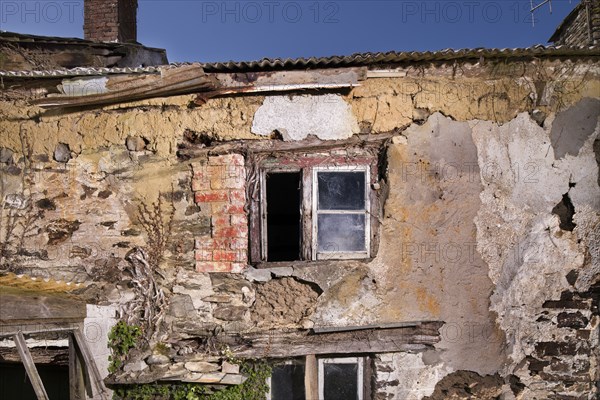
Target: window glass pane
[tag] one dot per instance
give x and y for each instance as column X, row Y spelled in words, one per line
column 340, row 381
column 287, row 382
column 341, row 232
column 341, row 190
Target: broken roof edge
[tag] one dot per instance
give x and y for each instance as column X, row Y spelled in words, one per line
column 399, row 57
column 15, row 37
column 357, row 59
column 565, row 22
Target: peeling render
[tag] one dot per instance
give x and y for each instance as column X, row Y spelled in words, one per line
column 473, row 168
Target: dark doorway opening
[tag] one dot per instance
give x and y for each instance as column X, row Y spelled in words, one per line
column 283, row 216
column 14, row 382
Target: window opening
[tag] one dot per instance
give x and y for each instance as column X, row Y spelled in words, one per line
column 287, row 381
column 341, row 204
column 283, row 219
column 341, row 378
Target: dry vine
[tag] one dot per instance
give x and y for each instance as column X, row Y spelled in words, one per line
column 150, row 304
column 148, row 308
column 158, row 226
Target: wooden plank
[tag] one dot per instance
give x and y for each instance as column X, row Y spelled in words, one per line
column 31, row 327
column 327, row 329
column 291, row 80
column 76, row 381
column 273, row 146
column 296, row 344
column 307, row 230
column 32, row 373
column 176, row 81
column 311, row 377
column 90, row 365
column 41, row 355
column 34, row 306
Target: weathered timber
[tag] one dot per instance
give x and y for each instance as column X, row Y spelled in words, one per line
column 282, row 80
column 37, row 326
column 76, row 379
column 273, row 146
column 32, row 373
column 172, row 82
column 311, row 377
column 26, row 306
column 189, row 79
column 90, row 366
column 295, row 344
column 40, row 355
column 285, row 81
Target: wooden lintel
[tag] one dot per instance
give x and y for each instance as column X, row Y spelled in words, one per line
column 37, row 307
column 33, row 327
column 32, row 373
column 272, row 146
column 296, row 344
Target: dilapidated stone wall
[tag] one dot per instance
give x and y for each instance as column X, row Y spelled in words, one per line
column 490, row 222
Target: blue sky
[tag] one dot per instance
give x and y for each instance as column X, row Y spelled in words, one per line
column 198, row 30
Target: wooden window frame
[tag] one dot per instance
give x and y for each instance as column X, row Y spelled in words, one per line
column 296, row 361
column 316, row 381
column 342, row 360
column 308, row 211
column 346, row 255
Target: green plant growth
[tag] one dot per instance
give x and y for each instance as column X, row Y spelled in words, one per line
column 254, row 388
column 121, row 339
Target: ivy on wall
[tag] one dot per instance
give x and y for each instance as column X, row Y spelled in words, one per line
column 254, row 388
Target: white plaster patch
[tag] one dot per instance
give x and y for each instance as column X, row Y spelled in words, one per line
column 97, row 325
column 414, row 378
column 327, row 117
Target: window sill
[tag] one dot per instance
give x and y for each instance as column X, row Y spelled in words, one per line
column 313, row 263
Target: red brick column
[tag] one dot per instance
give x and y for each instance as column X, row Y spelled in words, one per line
column 219, row 188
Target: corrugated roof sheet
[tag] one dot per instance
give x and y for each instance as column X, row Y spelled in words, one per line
column 359, row 59
column 394, row 57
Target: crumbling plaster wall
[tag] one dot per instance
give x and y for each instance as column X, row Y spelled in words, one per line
column 461, row 201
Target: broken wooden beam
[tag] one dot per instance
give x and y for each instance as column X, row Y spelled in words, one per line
column 102, row 90
column 31, row 307
column 301, row 343
column 95, row 379
column 273, row 146
column 171, row 82
column 76, row 378
column 32, row 373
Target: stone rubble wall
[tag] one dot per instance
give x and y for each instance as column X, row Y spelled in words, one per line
column 470, row 232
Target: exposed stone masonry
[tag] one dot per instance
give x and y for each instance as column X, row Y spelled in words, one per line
column 568, row 364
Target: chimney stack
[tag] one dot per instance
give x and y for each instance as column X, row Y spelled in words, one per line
column 110, row 20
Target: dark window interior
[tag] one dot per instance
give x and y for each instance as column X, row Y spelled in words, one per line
column 340, row 381
column 14, row 382
column 283, row 216
column 287, row 382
